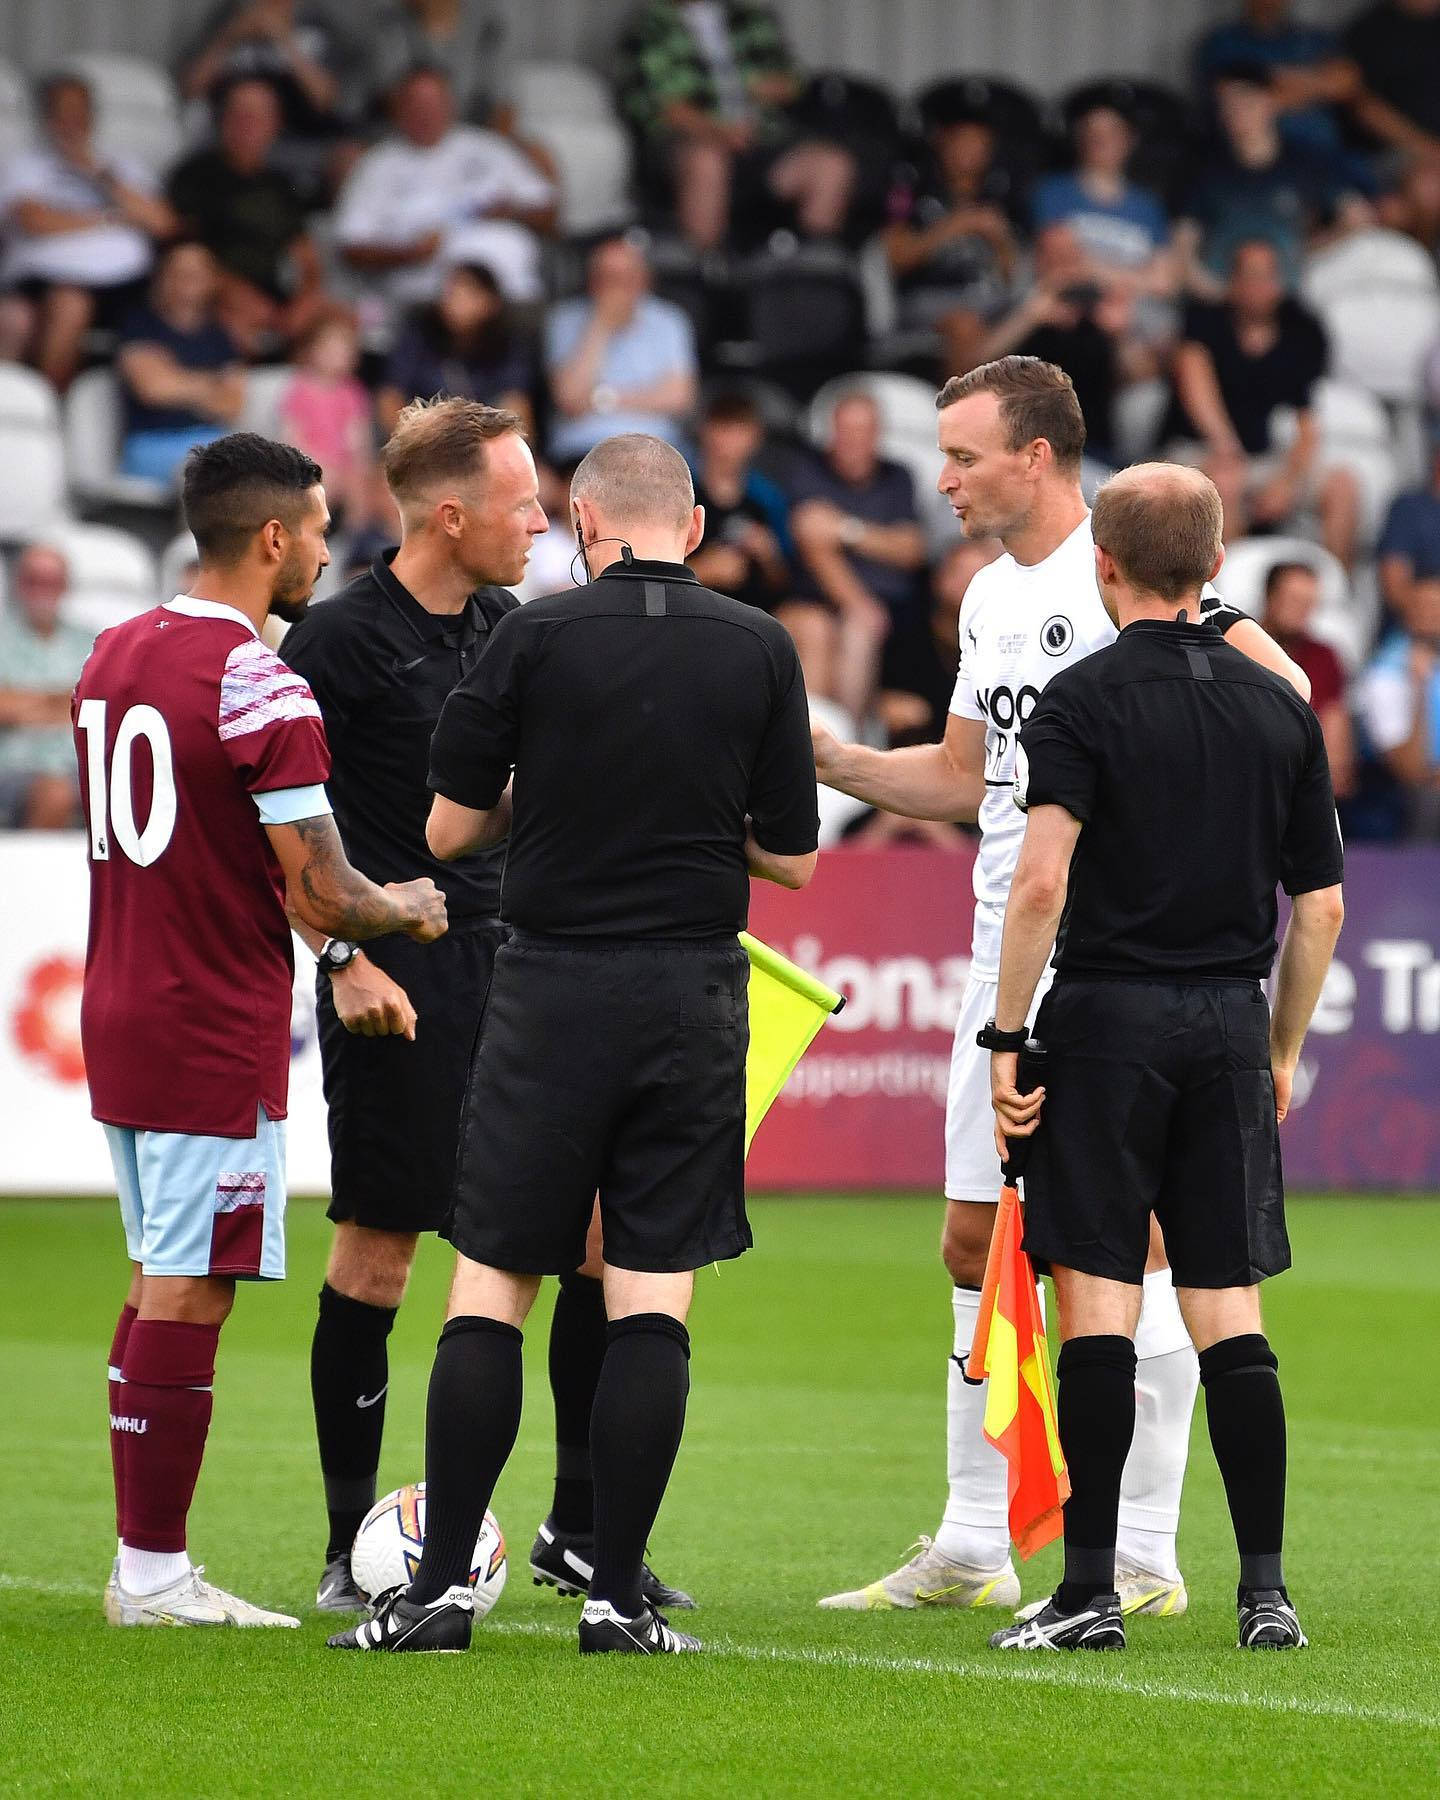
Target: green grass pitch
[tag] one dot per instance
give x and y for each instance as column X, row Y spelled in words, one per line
column 814, row 1455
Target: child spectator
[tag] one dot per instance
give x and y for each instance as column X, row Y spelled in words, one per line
column 325, row 411
column 1292, row 592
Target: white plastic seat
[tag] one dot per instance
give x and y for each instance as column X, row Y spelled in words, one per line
column 1338, row 621
column 264, row 390
column 112, row 574
column 94, row 417
column 1363, row 259
column 551, row 89
column 137, row 111
column 32, row 451
column 175, row 560
column 17, row 126
column 1380, row 336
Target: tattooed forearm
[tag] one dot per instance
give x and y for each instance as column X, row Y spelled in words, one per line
column 336, row 897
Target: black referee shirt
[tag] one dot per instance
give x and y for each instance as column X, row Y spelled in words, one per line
column 381, row 667
column 1201, row 781
column 644, row 717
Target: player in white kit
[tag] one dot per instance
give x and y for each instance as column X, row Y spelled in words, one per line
column 1011, row 433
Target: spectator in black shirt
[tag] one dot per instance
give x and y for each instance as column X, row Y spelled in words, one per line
column 1237, row 363
column 250, row 216
column 952, row 241
column 659, row 740
column 861, row 546
column 466, row 345
column 1166, row 1076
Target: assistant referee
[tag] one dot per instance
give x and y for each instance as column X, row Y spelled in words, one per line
column 1171, row 785
column 659, row 737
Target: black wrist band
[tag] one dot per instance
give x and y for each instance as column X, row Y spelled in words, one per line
column 990, row 1037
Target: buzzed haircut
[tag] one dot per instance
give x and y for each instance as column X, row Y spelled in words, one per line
column 233, row 486
column 442, row 440
column 633, row 479
column 1037, row 400
column 1163, row 525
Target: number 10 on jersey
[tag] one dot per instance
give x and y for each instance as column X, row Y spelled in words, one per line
column 112, row 803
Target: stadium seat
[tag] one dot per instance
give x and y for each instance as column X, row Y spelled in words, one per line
column 92, row 446
column 1165, row 134
column 865, row 117
column 16, row 123
column 568, row 108
column 112, row 574
column 805, row 312
column 1338, row 620
column 1356, row 434
column 137, row 109
column 32, row 450
column 1364, row 257
column 175, row 559
column 1017, row 115
column 264, row 390
column 1380, row 336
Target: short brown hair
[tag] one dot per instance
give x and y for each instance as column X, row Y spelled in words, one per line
column 1162, row 524
column 1037, row 400
column 442, row 440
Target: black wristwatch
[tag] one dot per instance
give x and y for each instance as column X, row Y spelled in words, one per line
column 335, row 954
column 990, row 1037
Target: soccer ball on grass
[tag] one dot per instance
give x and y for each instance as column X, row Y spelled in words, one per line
column 386, row 1551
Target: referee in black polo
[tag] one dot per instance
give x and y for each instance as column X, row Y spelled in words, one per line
column 659, row 739
column 1171, row 784
column 397, row 1030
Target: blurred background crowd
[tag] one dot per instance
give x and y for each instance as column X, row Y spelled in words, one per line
column 306, row 220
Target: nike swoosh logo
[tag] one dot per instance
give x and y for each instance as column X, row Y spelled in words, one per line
column 374, row 1399
column 414, row 663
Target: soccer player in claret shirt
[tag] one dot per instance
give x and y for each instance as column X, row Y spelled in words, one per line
column 202, row 762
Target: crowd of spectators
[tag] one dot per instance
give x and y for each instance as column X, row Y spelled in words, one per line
column 363, row 209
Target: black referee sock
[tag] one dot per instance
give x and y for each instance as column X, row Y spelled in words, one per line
column 471, row 1418
column 635, row 1429
column 1095, row 1404
column 349, row 1372
column 1246, row 1415
column 577, row 1350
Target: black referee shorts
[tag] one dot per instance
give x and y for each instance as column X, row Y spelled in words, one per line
column 394, row 1107
column 616, row 1066
column 1158, row 1098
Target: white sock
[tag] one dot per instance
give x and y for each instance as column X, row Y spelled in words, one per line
column 976, row 1527
column 147, row 1571
column 1166, row 1380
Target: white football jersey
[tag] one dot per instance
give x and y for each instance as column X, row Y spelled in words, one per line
column 1018, row 627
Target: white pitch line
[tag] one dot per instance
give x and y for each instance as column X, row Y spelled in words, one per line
column 1044, row 1674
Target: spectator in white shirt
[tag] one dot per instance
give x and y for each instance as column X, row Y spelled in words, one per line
column 619, row 360
column 40, row 662
column 434, row 193
column 82, row 228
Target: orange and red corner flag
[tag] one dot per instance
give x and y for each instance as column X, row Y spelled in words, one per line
column 1010, row 1350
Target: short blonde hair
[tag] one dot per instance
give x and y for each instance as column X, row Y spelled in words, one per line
column 1162, row 524
column 442, row 440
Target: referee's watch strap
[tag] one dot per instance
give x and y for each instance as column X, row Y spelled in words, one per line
column 990, row 1037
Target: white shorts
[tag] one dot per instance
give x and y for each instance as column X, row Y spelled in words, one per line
column 203, row 1205
column 972, row 1169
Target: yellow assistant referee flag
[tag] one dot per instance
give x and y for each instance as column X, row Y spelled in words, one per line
column 787, row 1007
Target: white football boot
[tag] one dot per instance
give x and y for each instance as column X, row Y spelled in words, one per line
column 931, row 1579
column 189, row 1601
column 1157, row 1595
